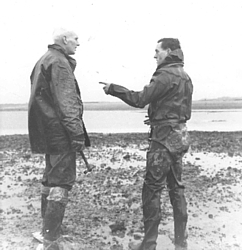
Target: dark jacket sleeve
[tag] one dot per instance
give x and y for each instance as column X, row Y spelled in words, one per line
column 66, row 100
column 157, row 88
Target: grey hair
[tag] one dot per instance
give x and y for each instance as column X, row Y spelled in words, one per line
column 59, row 33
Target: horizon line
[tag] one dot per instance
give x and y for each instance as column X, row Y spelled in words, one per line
column 119, row 101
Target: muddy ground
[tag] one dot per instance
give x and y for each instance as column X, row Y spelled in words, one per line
column 104, row 209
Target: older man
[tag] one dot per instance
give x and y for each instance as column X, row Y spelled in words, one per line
column 56, row 128
column 169, row 96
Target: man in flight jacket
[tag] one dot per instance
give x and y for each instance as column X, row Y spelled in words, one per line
column 169, row 96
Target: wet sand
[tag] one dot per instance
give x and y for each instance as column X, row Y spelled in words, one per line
column 104, row 209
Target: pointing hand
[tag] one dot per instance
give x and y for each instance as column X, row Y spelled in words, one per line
column 106, row 87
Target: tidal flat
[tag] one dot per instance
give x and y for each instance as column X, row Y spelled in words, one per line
column 104, row 209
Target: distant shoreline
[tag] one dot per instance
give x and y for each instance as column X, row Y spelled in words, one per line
column 227, row 103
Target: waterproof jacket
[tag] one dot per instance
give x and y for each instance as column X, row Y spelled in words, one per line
column 55, row 105
column 169, row 93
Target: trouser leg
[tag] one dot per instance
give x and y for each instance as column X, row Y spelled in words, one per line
column 179, row 205
column 180, row 215
column 158, row 165
column 57, row 201
column 151, row 217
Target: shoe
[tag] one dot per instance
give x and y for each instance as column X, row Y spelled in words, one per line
column 134, row 246
column 38, row 236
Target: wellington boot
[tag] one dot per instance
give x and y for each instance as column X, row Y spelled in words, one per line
column 53, row 219
column 44, row 203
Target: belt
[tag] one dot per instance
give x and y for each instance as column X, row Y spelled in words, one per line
column 167, row 122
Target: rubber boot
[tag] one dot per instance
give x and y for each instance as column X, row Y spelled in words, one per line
column 39, row 235
column 53, row 219
column 44, row 194
column 44, row 202
column 55, row 210
column 45, row 191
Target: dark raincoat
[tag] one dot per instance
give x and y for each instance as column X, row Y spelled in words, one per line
column 55, row 105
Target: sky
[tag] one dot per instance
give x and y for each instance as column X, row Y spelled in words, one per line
column 117, row 43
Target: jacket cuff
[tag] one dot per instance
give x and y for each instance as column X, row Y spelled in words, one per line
column 110, row 89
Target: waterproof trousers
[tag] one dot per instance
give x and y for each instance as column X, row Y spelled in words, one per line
column 161, row 171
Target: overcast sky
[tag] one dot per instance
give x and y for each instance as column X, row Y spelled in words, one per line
column 118, row 40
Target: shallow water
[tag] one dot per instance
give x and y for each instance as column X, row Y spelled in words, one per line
column 129, row 121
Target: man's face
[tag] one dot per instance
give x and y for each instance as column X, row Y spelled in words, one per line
column 72, row 43
column 160, row 54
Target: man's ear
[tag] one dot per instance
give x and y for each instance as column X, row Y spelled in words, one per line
column 168, row 51
column 64, row 39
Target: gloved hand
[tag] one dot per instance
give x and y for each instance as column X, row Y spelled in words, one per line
column 78, row 145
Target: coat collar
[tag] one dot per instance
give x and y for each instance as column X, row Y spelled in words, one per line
column 176, row 57
column 71, row 60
